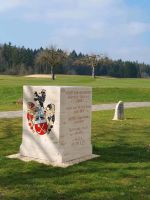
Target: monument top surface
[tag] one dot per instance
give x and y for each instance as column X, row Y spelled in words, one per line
column 57, row 86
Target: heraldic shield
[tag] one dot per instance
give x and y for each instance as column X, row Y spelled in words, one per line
column 40, row 119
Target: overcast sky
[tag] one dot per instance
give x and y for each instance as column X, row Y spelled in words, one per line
column 117, row 28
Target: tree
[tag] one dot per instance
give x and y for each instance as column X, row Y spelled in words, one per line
column 51, row 57
column 91, row 60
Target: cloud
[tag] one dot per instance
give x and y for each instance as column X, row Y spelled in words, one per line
column 136, row 28
column 93, row 19
column 111, row 26
column 6, row 5
column 131, row 53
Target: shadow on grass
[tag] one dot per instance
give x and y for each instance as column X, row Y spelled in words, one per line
column 122, row 154
column 25, row 173
column 58, row 183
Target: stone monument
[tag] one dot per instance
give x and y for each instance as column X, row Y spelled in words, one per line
column 119, row 111
column 56, row 125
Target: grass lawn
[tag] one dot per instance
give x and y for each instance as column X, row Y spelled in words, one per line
column 105, row 90
column 121, row 173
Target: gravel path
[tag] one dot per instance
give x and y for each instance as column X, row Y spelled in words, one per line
column 126, row 105
column 11, row 114
column 14, row 114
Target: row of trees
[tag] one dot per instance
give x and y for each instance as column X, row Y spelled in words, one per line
column 21, row 60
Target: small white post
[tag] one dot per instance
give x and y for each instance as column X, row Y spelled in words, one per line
column 119, row 111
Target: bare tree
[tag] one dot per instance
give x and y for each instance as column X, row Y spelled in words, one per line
column 51, row 57
column 89, row 60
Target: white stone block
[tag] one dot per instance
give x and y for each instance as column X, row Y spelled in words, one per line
column 56, row 124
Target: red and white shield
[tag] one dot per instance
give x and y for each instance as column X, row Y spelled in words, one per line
column 41, row 127
column 40, row 120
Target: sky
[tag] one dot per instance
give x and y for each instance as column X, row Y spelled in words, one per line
column 119, row 29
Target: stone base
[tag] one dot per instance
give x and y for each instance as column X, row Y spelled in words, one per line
column 55, row 164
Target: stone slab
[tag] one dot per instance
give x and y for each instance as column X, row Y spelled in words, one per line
column 55, row 164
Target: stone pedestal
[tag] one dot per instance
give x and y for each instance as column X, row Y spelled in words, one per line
column 119, row 111
column 56, row 124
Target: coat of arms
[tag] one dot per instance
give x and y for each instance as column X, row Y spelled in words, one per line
column 40, row 119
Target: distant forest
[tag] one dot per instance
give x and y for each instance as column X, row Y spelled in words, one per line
column 21, row 61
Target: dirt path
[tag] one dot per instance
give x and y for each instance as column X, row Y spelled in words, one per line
column 14, row 114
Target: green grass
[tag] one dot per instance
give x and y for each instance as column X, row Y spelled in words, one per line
column 105, row 90
column 120, row 173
